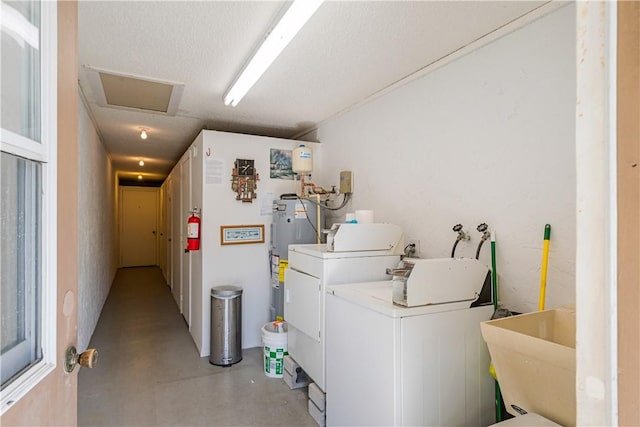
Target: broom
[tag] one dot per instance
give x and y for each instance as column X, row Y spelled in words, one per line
column 545, row 263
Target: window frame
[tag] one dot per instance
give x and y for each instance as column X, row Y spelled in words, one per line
column 44, row 152
column 31, row 178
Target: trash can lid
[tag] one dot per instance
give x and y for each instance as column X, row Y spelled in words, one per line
column 226, row 291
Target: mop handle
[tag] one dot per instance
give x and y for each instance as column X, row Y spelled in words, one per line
column 545, row 262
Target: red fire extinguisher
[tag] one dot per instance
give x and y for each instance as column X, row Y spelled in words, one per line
column 193, row 231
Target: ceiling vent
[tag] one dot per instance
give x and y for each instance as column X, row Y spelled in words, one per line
column 119, row 90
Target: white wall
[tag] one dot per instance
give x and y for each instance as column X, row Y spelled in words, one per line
column 245, row 265
column 97, row 247
column 489, row 137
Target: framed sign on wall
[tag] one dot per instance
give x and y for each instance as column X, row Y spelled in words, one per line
column 241, row 234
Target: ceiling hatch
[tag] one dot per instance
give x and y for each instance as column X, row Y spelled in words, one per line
column 119, row 90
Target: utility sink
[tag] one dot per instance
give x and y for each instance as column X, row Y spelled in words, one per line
column 534, row 356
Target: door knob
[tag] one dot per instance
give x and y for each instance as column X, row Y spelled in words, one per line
column 87, row 359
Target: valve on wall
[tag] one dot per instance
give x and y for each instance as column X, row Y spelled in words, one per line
column 193, row 231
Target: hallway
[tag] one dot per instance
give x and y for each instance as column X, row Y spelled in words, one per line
column 149, row 371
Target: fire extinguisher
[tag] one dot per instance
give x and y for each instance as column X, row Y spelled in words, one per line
column 193, row 231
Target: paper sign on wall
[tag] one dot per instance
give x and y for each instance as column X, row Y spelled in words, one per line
column 214, row 171
column 266, row 203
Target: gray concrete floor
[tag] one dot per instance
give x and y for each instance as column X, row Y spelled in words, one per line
column 149, row 371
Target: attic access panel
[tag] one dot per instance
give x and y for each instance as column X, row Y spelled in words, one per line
column 119, row 90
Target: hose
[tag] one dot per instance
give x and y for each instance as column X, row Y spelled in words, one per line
column 320, row 206
column 347, row 197
column 461, row 236
column 453, row 250
column 306, row 214
column 483, row 228
column 479, row 247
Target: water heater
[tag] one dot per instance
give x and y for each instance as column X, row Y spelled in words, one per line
column 295, row 221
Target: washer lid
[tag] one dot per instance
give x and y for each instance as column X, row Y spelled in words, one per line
column 226, row 291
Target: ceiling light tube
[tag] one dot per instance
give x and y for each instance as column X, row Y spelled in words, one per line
column 285, row 30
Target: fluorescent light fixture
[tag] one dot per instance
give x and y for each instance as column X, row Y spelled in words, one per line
column 285, row 30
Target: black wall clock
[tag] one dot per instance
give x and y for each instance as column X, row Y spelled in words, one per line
column 245, row 167
column 243, row 180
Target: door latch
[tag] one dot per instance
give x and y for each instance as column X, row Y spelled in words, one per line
column 86, row 359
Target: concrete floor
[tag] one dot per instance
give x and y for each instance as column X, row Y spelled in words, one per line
column 149, row 371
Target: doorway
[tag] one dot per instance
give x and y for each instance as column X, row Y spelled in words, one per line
column 138, row 226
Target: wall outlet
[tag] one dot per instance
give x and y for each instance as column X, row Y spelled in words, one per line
column 416, row 250
column 346, row 182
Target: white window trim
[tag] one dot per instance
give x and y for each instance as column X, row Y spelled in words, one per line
column 13, row 143
column 46, row 152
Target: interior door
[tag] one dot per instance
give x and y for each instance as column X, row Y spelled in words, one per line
column 53, row 400
column 162, row 240
column 169, row 231
column 185, row 282
column 138, row 226
column 628, row 130
column 176, row 241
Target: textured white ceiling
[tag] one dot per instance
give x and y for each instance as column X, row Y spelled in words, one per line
column 348, row 51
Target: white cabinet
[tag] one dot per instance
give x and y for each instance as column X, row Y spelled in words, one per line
column 311, row 269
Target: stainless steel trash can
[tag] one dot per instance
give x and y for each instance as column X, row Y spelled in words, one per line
column 226, row 325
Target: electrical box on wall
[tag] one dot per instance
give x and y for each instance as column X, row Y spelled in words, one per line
column 346, row 182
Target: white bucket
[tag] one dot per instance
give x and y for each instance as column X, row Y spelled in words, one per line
column 275, row 349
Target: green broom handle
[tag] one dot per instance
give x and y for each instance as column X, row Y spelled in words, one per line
column 494, row 283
